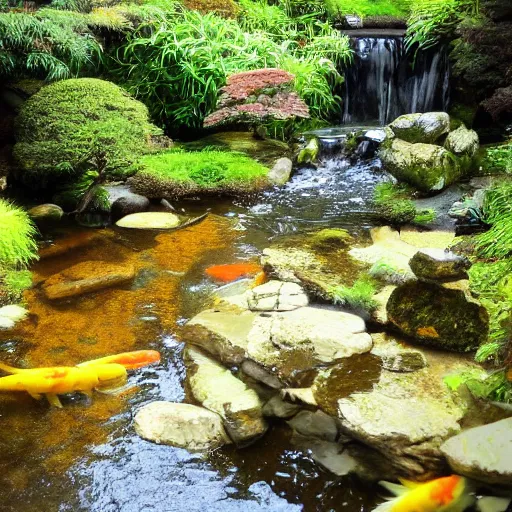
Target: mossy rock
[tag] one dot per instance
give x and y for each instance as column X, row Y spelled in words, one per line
column 425, row 128
column 427, row 167
column 67, row 127
column 331, row 238
column 438, row 316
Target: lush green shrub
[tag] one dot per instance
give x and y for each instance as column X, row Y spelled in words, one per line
column 48, row 44
column 435, row 21
column 179, row 67
column 224, row 8
column 358, row 296
column 177, row 173
column 496, row 243
column 498, row 159
column 17, row 245
column 79, row 125
column 340, row 8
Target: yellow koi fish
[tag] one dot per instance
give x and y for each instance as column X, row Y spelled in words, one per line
column 130, row 360
column 62, row 379
column 447, row 494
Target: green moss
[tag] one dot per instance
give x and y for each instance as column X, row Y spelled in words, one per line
column 339, row 8
column 394, row 206
column 67, row 127
column 331, row 238
column 178, row 173
column 358, row 296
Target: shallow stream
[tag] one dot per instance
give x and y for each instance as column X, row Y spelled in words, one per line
column 86, row 456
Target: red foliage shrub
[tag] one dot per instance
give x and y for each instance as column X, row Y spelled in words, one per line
column 255, row 96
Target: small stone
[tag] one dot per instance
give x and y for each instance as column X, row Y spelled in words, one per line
column 149, row 220
column 483, row 453
column 127, row 205
column 493, row 504
column 439, row 265
column 183, row 425
column 87, row 277
column 276, row 296
column 404, row 361
column 280, row 173
column 462, row 142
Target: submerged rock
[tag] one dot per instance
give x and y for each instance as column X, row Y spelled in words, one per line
column 276, row 407
column 439, row 265
column 87, row 277
column 149, row 220
column 437, row 316
column 281, row 172
column 217, row 389
column 182, row 425
column 315, row 424
column 425, row 128
column 483, row 453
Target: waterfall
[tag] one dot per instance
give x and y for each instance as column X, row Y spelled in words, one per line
column 385, row 81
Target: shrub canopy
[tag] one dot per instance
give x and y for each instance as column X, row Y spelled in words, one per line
column 69, row 127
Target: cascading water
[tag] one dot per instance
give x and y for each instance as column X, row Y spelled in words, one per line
column 385, row 81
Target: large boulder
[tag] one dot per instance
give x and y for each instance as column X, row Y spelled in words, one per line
column 217, row 389
column 483, row 453
column 438, row 316
column 426, row 128
column 462, row 142
column 182, row 425
column 427, row 167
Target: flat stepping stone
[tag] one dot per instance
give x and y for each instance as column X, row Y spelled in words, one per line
column 149, row 220
column 182, row 425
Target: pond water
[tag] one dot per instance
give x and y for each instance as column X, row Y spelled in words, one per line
column 86, row 456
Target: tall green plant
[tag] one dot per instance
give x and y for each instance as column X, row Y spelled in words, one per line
column 178, row 67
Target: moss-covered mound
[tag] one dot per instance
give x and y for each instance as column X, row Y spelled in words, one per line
column 174, row 174
column 77, row 125
column 17, row 249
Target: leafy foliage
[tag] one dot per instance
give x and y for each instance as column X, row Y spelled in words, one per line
column 17, row 245
column 498, row 159
column 177, row 173
column 434, row 21
column 224, row 8
column 339, row 8
column 178, row 67
column 79, row 125
column 358, row 296
column 497, row 241
column 48, row 44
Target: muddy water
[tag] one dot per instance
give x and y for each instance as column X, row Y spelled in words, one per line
column 86, row 456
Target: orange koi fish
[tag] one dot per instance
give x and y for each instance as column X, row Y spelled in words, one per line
column 447, row 494
column 62, row 379
column 233, row 271
column 259, row 279
column 130, row 360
